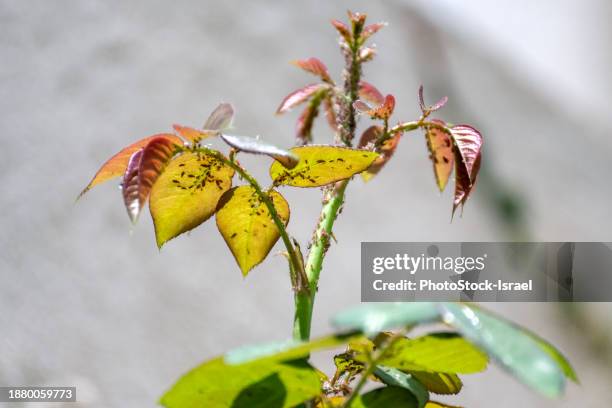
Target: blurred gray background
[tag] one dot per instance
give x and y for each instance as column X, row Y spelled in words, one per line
column 87, row 300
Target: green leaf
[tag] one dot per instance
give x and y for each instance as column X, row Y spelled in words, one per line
column 346, row 363
column 563, row 362
column 186, row 194
column 288, row 350
column 439, row 383
column 375, row 317
column 256, row 146
column 322, row 165
column 514, row 349
column 394, row 377
column 386, row 397
column 256, row 385
column 438, row 352
column 246, row 225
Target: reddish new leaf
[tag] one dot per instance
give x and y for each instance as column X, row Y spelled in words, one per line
column 357, row 19
column 361, row 106
column 330, row 114
column 370, row 93
column 371, row 29
column 299, row 96
column 116, row 165
column 343, row 30
column 369, row 138
column 129, row 187
column 464, row 184
column 386, row 109
column 193, row 135
column 138, row 181
column 428, row 109
column 220, row 118
column 383, row 111
column 303, row 128
column 314, row 66
column 441, row 102
column 468, row 145
column 440, row 152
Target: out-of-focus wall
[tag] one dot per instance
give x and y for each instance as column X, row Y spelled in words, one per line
column 87, row 300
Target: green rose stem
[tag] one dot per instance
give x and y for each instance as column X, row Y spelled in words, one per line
column 304, row 302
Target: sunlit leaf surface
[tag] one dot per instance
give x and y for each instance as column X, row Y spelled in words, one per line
column 187, row 193
column 441, row 154
column 322, row 165
column 116, row 165
column 375, row 317
column 515, row 350
column 563, row 362
column 439, row 383
column 247, row 226
column 257, row 146
column 438, row 352
column 266, row 384
column 290, row 349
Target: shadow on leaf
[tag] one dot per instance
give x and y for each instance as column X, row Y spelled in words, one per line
column 268, row 392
